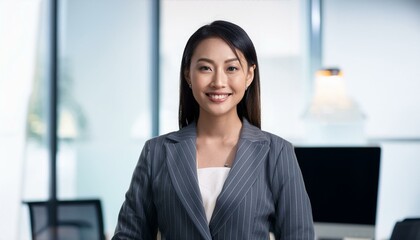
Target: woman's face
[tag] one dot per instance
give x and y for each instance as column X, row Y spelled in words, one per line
column 218, row 78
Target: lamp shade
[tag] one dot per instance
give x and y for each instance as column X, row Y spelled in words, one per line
column 332, row 116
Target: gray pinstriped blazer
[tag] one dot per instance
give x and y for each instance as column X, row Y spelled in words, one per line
column 263, row 192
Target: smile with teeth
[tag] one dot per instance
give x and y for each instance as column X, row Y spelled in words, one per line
column 218, row 96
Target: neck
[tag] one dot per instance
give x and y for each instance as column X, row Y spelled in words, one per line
column 219, row 127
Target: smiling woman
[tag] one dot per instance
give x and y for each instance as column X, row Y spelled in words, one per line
column 220, row 176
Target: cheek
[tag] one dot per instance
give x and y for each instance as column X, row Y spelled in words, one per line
column 240, row 82
column 201, row 80
column 194, row 77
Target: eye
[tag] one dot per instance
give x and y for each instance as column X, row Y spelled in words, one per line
column 232, row 69
column 204, row 68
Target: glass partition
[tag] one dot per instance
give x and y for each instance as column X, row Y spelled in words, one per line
column 104, row 99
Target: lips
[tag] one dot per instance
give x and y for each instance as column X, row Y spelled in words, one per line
column 218, row 96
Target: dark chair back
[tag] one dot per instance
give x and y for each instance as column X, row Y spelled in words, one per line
column 408, row 229
column 76, row 220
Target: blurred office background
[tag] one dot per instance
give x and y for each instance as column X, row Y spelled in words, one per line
column 109, row 101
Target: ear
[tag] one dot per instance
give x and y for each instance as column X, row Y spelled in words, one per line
column 250, row 75
column 187, row 76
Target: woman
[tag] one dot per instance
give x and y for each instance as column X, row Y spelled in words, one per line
column 219, row 176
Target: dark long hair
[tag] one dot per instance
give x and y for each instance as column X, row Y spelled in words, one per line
column 238, row 40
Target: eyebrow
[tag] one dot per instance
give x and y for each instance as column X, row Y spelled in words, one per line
column 211, row 61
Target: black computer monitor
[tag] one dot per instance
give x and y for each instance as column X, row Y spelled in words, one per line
column 342, row 184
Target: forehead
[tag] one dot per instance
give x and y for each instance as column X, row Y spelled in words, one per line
column 216, row 48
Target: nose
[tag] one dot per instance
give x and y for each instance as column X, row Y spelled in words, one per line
column 219, row 79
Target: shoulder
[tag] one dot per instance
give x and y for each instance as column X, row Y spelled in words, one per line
column 274, row 141
column 278, row 145
column 183, row 134
column 277, row 141
column 153, row 152
column 254, row 134
column 160, row 140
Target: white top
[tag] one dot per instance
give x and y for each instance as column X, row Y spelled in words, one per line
column 211, row 182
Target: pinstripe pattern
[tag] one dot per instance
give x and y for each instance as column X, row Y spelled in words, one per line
column 263, row 192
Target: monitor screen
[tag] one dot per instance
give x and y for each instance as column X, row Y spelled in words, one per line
column 342, row 184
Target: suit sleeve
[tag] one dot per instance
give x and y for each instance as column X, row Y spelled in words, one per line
column 137, row 217
column 293, row 213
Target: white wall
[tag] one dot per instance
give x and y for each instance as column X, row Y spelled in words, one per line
column 376, row 44
column 399, row 190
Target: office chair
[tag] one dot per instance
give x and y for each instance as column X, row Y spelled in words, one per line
column 408, row 229
column 76, row 220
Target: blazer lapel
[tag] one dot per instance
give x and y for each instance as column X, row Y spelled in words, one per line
column 252, row 149
column 181, row 155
